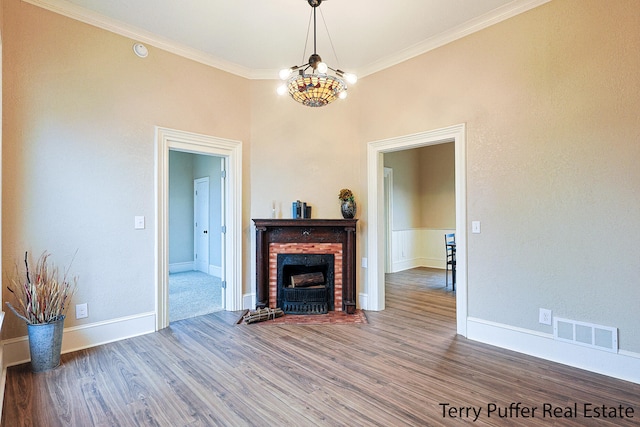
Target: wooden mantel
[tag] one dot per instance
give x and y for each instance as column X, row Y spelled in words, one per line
column 307, row 231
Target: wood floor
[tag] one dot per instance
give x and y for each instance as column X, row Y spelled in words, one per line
column 399, row 369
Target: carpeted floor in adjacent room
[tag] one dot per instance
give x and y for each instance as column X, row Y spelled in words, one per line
column 193, row 293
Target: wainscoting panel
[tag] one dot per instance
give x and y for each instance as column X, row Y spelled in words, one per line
column 418, row 247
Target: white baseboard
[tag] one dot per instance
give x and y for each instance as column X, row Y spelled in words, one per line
column 16, row 350
column 405, row 264
column 181, row 267
column 249, row 301
column 433, row 263
column 417, row 262
column 624, row 365
column 363, row 301
column 215, row 270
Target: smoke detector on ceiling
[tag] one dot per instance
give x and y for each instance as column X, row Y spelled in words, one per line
column 140, row 50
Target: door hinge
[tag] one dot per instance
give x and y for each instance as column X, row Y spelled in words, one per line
column 224, row 229
column 224, row 284
column 223, row 174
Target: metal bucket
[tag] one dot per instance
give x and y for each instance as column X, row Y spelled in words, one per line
column 45, row 344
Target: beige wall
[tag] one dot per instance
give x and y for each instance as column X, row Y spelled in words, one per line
column 406, row 206
column 423, row 187
column 301, row 153
column 78, row 149
column 181, row 207
column 437, row 186
column 550, row 99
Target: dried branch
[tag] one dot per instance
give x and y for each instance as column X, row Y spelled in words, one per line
column 43, row 296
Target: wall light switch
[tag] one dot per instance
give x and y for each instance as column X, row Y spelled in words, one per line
column 139, row 224
column 364, row 263
column 475, row 227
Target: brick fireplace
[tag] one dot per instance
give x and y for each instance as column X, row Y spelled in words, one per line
column 334, row 237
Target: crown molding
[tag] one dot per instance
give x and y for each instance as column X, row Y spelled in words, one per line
column 65, row 8
column 500, row 14
column 95, row 19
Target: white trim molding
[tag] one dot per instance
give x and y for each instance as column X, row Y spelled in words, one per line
column 216, row 271
column 91, row 17
column 88, row 16
column 624, row 365
column 496, row 16
column 16, row 350
column 375, row 284
column 231, row 151
column 181, row 267
column 249, row 301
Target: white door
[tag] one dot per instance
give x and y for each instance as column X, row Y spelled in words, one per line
column 201, row 224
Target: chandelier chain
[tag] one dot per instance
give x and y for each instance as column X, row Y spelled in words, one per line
column 306, row 40
column 330, row 40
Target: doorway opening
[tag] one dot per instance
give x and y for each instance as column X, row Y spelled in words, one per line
column 229, row 155
column 196, row 240
column 374, row 296
column 419, row 193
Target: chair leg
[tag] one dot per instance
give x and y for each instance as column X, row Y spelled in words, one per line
column 453, row 275
column 446, row 275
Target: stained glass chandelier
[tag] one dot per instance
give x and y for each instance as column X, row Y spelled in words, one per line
column 311, row 84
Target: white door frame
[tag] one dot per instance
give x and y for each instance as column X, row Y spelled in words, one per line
column 388, row 216
column 375, row 286
column 196, row 235
column 231, row 152
column 222, row 236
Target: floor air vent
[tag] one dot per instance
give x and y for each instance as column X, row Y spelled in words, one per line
column 586, row 334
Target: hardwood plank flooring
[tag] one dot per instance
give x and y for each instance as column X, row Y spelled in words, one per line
column 397, row 370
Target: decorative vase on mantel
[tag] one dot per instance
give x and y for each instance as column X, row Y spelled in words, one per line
column 348, row 203
column 348, row 208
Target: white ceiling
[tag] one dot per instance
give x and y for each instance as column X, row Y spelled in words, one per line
column 256, row 38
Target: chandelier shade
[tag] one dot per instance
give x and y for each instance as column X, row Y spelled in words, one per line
column 316, row 90
column 312, row 85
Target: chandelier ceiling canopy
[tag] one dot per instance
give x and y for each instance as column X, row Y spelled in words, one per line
column 310, row 83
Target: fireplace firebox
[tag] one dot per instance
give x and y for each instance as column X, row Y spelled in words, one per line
column 305, row 283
